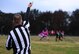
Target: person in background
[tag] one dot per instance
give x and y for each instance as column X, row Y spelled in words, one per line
column 19, row 37
column 62, row 35
column 44, row 34
column 58, row 35
column 52, row 32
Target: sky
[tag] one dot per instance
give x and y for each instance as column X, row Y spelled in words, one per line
column 13, row 6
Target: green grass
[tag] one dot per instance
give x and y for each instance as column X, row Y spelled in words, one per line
column 70, row 45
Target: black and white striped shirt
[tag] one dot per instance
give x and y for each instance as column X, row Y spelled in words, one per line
column 19, row 39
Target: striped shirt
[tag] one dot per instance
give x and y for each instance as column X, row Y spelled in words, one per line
column 19, row 39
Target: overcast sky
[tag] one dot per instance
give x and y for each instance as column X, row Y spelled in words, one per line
column 13, row 6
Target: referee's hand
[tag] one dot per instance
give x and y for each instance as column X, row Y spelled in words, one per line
column 30, row 4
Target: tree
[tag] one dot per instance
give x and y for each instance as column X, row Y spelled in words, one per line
column 58, row 19
column 74, row 26
column 45, row 19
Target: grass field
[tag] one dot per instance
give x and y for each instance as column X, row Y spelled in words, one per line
column 70, row 45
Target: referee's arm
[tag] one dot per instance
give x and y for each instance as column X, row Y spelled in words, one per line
column 26, row 22
column 9, row 43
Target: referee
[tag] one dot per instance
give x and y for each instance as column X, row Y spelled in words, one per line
column 18, row 37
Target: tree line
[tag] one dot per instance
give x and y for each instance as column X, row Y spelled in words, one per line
column 57, row 20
